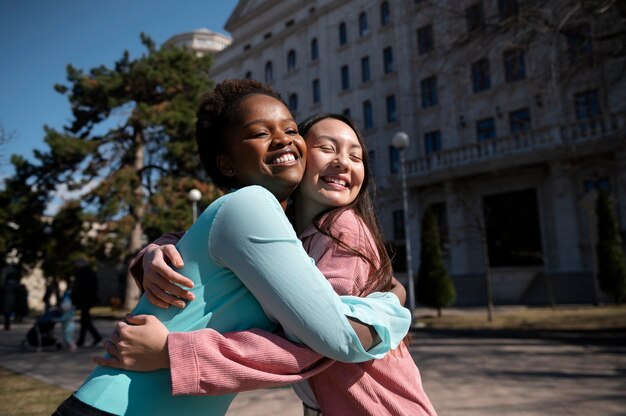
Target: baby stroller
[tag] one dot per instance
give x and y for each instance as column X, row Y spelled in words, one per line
column 41, row 335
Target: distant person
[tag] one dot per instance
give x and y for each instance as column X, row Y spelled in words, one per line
column 84, row 297
column 67, row 320
column 21, row 303
column 52, row 290
column 8, row 296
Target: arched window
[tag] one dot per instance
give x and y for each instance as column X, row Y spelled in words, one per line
column 248, row 75
column 293, row 102
column 363, row 24
column 291, row 60
column 385, row 15
column 343, row 33
column 315, row 53
column 269, row 72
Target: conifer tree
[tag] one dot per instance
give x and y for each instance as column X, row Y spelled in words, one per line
column 434, row 287
column 132, row 131
column 610, row 251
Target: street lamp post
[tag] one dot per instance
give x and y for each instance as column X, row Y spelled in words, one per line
column 401, row 141
column 194, row 196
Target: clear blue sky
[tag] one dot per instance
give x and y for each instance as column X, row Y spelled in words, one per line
column 38, row 38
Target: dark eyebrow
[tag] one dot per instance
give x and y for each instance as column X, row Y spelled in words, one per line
column 262, row 120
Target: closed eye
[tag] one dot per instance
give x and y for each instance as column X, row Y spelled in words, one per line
column 326, row 148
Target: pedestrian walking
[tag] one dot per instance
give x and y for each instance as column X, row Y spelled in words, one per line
column 8, row 296
column 84, row 297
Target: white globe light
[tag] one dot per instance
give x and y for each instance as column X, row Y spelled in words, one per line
column 400, row 140
column 194, row 195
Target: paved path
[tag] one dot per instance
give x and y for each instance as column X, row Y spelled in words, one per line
column 464, row 374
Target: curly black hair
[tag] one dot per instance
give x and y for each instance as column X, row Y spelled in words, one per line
column 217, row 111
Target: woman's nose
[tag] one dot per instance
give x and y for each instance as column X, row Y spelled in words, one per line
column 341, row 161
column 281, row 140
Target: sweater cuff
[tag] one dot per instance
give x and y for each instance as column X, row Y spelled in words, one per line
column 183, row 365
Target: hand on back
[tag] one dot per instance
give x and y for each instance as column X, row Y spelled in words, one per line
column 160, row 281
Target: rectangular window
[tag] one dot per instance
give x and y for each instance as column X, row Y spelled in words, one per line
column 432, row 142
column 587, row 105
column 425, row 39
column 365, row 69
column 363, row 30
column 316, row 91
column 481, row 78
column 345, row 78
column 385, row 15
column 475, row 17
column 429, row 92
column 315, row 52
column 486, row 129
column 368, row 115
column 343, row 34
column 394, row 160
column 579, row 42
column 519, row 120
column 388, row 60
column 507, row 8
column 514, row 65
column 398, row 224
column 392, row 115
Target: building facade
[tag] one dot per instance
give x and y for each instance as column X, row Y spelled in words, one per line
column 516, row 111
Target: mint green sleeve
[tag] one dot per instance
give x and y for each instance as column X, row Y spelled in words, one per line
column 252, row 237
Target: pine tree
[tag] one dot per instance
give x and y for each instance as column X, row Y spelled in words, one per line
column 434, row 286
column 610, row 251
column 132, row 132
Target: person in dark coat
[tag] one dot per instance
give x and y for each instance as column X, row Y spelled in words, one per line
column 8, row 295
column 21, row 303
column 84, row 297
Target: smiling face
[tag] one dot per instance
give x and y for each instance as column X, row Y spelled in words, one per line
column 335, row 171
column 264, row 148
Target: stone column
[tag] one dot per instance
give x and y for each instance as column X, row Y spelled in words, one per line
column 565, row 219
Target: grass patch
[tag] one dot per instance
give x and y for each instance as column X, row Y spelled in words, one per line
column 564, row 318
column 26, row 396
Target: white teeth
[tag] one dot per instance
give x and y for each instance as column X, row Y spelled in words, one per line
column 337, row 181
column 287, row 157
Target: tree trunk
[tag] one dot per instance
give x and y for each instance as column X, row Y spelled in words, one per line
column 136, row 238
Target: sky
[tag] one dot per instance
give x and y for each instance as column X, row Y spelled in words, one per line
column 39, row 38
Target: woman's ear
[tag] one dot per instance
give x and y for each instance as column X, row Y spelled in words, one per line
column 225, row 166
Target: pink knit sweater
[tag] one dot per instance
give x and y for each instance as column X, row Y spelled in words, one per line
column 207, row 362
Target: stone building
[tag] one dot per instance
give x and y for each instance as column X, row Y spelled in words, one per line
column 515, row 111
column 202, row 41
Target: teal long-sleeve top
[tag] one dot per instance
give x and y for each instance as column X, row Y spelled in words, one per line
column 249, row 271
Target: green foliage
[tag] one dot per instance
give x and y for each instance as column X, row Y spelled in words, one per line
column 66, row 240
column 610, row 251
column 434, row 286
column 133, row 124
column 21, row 210
column 129, row 150
column 170, row 212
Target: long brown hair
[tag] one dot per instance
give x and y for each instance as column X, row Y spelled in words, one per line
column 379, row 279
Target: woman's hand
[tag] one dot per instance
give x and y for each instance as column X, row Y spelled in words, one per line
column 139, row 345
column 160, row 281
column 398, row 290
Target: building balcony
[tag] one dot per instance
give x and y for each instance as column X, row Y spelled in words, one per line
column 582, row 138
